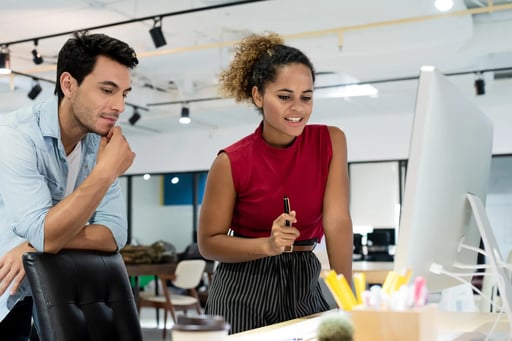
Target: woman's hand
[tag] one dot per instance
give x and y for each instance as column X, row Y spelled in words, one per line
column 281, row 235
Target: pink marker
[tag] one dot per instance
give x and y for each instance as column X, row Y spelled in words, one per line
column 419, row 291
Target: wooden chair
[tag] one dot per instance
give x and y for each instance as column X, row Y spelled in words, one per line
column 187, row 276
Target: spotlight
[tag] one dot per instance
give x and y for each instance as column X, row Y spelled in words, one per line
column 5, row 60
column 185, row 115
column 443, row 5
column 35, row 91
column 480, row 86
column 135, row 117
column 156, row 33
column 37, row 58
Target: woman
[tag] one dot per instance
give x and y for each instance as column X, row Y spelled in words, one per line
column 259, row 281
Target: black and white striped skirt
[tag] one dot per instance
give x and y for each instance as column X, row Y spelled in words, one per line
column 266, row 291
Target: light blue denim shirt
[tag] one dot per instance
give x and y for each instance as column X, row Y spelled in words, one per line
column 33, row 173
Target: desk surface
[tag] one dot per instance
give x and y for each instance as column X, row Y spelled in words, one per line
column 136, row 270
column 452, row 326
column 150, row 269
column 376, row 272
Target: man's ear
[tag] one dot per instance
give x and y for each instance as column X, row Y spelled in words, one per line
column 257, row 98
column 66, row 83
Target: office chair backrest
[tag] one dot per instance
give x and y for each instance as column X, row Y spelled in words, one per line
column 82, row 296
column 189, row 273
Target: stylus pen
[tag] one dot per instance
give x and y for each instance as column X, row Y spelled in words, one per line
column 286, row 208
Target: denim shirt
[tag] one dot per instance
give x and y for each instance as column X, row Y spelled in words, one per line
column 33, row 176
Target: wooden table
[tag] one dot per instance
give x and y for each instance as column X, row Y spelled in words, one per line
column 150, row 269
column 375, row 272
column 137, row 270
column 451, row 326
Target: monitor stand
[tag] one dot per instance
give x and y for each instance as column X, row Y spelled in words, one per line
column 493, row 256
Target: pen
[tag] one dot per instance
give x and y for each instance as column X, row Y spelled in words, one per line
column 286, row 208
column 286, row 202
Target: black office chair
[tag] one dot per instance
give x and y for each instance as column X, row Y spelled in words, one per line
column 378, row 245
column 357, row 250
column 81, row 296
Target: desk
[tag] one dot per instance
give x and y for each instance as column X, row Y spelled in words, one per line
column 375, row 272
column 150, row 269
column 452, row 326
column 136, row 270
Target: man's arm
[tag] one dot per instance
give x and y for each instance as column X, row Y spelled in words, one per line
column 27, row 197
column 66, row 224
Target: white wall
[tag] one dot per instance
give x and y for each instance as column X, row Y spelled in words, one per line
column 368, row 139
column 378, row 138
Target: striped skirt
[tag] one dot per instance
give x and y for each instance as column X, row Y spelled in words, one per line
column 266, row 291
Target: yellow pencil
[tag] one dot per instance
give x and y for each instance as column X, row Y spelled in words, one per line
column 359, row 285
column 388, row 282
column 348, row 295
column 335, row 289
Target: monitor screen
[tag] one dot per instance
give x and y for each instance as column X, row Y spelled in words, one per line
column 450, row 155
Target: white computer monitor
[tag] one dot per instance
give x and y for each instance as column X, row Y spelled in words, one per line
column 450, row 155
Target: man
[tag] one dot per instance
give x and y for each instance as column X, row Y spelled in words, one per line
column 59, row 166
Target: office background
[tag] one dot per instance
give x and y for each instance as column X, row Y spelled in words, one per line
column 367, row 42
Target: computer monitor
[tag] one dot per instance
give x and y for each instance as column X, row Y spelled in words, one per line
column 443, row 215
column 450, row 155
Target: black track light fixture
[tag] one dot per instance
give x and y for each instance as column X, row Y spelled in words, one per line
column 185, row 114
column 5, row 60
column 37, row 58
column 135, row 116
column 480, row 84
column 156, row 33
column 36, row 89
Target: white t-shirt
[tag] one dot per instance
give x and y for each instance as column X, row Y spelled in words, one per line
column 73, row 167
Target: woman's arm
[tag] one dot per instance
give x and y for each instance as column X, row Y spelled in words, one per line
column 336, row 213
column 215, row 219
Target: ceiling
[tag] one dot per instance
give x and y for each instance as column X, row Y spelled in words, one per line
column 380, row 42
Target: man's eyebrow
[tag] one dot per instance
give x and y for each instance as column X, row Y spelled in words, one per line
column 110, row 83
column 113, row 84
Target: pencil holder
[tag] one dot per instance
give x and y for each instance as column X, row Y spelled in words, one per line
column 417, row 324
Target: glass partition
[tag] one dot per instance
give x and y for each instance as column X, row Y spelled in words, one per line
column 164, row 207
column 159, row 211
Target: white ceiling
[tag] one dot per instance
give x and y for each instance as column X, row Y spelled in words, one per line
column 348, row 41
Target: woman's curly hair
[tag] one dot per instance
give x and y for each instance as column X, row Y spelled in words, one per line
column 255, row 62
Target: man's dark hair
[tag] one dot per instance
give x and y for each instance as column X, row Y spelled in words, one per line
column 79, row 54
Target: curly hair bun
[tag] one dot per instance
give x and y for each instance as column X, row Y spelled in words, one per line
column 234, row 81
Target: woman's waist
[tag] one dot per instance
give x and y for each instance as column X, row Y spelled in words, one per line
column 300, row 241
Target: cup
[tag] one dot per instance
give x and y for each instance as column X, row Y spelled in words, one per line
column 200, row 328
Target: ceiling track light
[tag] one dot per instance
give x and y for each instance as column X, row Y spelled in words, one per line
column 37, row 58
column 156, row 33
column 479, row 85
column 36, row 89
column 185, row 115
column 443, row 5
column 5, row 60
column 135, row 116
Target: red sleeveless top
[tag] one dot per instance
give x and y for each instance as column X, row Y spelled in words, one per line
column 263, row 174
